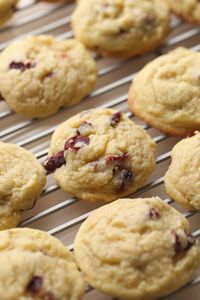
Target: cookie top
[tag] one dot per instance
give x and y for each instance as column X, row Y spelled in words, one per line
column 100, row 154
column 182, row 180
column 142, row 249
column 7, row 9
column 22, row 179
column 121, row 28
column 41, row 74
column 187, row 9
column 35, row 265
column 166, row 92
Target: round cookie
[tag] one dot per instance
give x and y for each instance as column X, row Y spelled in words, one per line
column 142, row 249
column 189, row 10
column 36, row 266
column 121, row 28
column 166, row 92
column 182, row 180
column 100, row 154
column 7, row 9
column 22, row 179
column 41, row 74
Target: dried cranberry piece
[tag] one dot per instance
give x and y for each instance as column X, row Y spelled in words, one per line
column 177, row 242
column 1, row 98
column 35, row 285
column 178, row 246
column 54, row 162
column 77, row 142
column 115, row 119
column 83, row 127
column 123, row 177
column 154, row 214
column 50, row 74
column 20, row 66
column 49, row 296
column 116, row 158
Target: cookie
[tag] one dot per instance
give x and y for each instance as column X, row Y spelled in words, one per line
column 22, row 179
column 7, row 9
column 182, row 180
column 189, row 10
column 166, row 92
column 35, row 265
column 100, row 154
column 142, row 249
column 41, row 74
column 121, row 28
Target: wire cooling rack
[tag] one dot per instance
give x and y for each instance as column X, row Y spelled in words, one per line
column 55, row 211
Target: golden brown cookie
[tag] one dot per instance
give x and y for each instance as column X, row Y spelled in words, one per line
column 22, row 179
column 100, row 154
column 182, row 180
column 40, row 74
column 36, row 266
column 121, row 28
column 137, row 249
column 166, row 92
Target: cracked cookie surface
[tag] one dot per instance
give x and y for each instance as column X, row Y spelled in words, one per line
column 121, row 28
column 100, row 154
column 166, row 92
column 35, row 265
column 40, row 74
column 22, row 179
column 142, row 249
column 182, row 180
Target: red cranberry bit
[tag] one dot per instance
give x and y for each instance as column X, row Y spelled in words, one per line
column 1, row 98
column 123, row 177
column 20, row 66
column 77, row 142
column 35, row 285
column 154, row 214
column 83, row 127
column 50, row 74
column 54, row 162
column 177, row 242
column 115, row 119
column 116, row 158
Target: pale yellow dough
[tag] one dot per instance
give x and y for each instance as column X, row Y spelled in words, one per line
column 36, row 266
column 187, row 9
column 182, row 180
column 166, row 92
column 7, row 9
column 22, row 179
column 40, row 74
column 88, row 174
column 136, row 249
column 121, row 28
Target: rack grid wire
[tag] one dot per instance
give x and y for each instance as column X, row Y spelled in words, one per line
column 55, row 211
